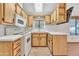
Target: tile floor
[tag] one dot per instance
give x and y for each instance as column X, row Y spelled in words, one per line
column 40, row 51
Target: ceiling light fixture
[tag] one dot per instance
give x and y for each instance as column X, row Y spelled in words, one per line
column 38, row 7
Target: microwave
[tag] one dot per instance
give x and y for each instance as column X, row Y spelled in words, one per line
column 20, row 21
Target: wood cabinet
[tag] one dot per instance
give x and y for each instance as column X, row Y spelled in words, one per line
column 30, row 21
column 18, row 9
column 1, row 12
column 50, row 43
column 35, row 39
column 10, row 48
column 47, row 19
column 9, row 13
column 55, row 17
column 59, row 44
column 39, row 39
column 52, row 18
column 24, row 14
column 61, row 12
column 42, row 39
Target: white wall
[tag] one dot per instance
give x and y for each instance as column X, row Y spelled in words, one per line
column 75, row 11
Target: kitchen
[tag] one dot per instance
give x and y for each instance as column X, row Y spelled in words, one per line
column 48, row 30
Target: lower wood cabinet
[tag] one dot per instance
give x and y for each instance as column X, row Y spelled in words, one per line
column 10, row 48
column 57, row 44
column 39, row 39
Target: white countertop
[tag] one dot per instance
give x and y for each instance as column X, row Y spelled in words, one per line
column 53, row 33
column 10, row 37
column 14, row 37
column 70, row 38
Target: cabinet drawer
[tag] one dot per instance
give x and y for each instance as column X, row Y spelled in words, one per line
column 17, row 51
column 17, row 43
column 42, row 35
column 35, row 35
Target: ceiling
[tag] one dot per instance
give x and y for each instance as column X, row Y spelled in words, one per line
column 47, row 9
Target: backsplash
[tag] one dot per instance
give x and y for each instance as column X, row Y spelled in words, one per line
column 11, row 30
column 14, row 30
column 1, row 30
column 58, row 28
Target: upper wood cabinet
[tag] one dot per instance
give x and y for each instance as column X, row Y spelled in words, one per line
column 23, row 14
column 9, row 12
column 18, row 9
column 52, row 18
column 30, row 21
column 61, row 12
column 1, row 12
column 47, row 19
column 55, row 17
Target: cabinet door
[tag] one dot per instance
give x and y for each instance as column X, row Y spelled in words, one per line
column 61, row 13
column 23, row 14
column 43, row 41
column 59, row 45
column 18, row 9
column 9, row 12
column 47, row 19
column 52, row 18
column 1, row 11
column 35, row 39
column 30, row 21
column 6, row 48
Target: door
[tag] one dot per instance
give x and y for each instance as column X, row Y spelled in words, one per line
column 9, row 12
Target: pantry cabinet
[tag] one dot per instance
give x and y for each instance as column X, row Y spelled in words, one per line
column 61, row 13
column 39, row 39
column 10, row 48
column 47, row 19
column 30, row 21
column 9, row 13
